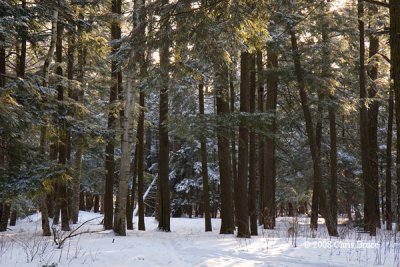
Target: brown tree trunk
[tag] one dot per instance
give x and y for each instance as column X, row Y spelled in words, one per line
column 242, row 211
column 373, row 111
column 395, row 60
column 204, row 166
column 232, row 98
column 268, row 190
column 388, row 200
column 325, row 209
column 163, row 172
column 260, row 137
column 140, row 131
column 224, row 157
column 369, row 196
column 5, row 216
column 112, row 121
column 252, row 151
column 62, row 193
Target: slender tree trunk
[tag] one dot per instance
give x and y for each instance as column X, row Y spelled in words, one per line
column 373, row 111
column 325, row 209
column 140, row 131
column 389, row 214
column 62, row 193
column 268, row 190
column 204, row 166
column 131, row 203
column 318, row 136
column 126, row 147
column 260, row 137
column 140, row 168
column 224, row 159
column 163, row 173
column 232, row 97
column 395, row 60
column 112, row 121
column 13, row 217
column 252, row 151
column 369, row 196
column 242, row 212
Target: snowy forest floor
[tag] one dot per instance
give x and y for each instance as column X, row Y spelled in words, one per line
column 189, row 245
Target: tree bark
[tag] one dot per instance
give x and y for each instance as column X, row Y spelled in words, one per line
column 163, row 171
column 388, row 199
column 204, row 165
column 126, row 148
column 112, row 121
column 373, row 111
column 224, row 159
column 252, row 151
column 242, row 211
column 395, row 63
column 268, row 190
column 260, row 137
column 62, row 193
column 369, row 196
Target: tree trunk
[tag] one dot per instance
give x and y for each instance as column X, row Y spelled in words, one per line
column 260, row 137
column 326, row 212
column 126, row 146
column 232, row 97
column 395, row 60
column 373, row 111
column 252, row 152
column 389, row 214
column 116, row 77
column 163, row 172
column 268, row 190
column 242, row 212
column 369, row 196
column 5, row 215
column 224, row 159
column 13, row 217
column 62, row 193
column 204, row 165
column 141, row 15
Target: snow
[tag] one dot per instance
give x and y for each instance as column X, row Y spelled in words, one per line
column 189, row 245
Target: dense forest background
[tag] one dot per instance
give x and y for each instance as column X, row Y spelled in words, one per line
column 240, row 109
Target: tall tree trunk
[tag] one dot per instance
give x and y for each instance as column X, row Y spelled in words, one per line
column 62, row 193
column 224, row 157
column 252, row 151
column 325, row 209
column 112, row 121
column 141, row 15
column 242, row 212
column 260, row 137
column 373, row 111
column 325, row 73
column 204, row 166
column 140, row 167
column 389, row 213
column 79, row 139
column 369, row 196
column 126, row 147
column 395, row 60
column 232, row 97
column 268, row 190
column 163, row 172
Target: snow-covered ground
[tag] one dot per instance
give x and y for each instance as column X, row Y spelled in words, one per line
column 189, row 245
